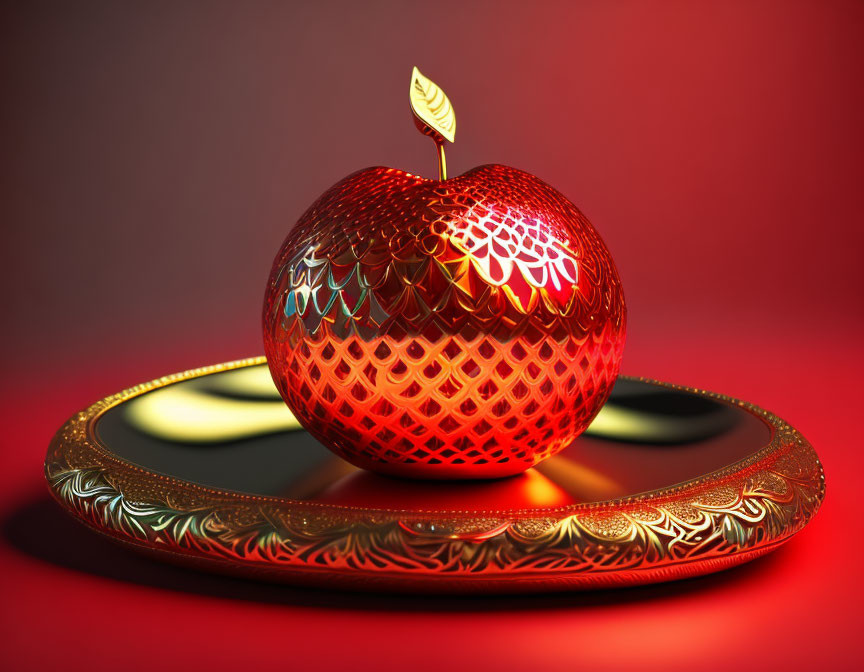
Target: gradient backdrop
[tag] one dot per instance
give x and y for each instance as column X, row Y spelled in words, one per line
column 154, row 155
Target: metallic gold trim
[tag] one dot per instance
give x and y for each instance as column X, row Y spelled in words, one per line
column 718, row 520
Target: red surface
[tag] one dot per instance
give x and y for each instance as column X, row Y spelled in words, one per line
column 460, row 329
column 794, row 609
column 154, row 154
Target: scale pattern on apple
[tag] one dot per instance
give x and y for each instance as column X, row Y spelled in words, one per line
column 461, row 328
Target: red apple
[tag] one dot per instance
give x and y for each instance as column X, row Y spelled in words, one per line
column 458, row 328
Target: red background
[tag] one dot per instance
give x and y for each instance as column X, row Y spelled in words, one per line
column 156, row 153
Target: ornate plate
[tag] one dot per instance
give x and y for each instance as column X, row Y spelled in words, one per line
column 209, row 467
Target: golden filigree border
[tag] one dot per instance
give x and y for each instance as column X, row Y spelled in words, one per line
column 718, row 520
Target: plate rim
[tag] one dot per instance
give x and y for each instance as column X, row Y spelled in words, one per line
column 107, row 492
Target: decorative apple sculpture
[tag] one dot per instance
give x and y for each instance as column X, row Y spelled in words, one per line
column 452, row 328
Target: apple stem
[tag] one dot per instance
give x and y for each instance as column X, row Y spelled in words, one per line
column 442, row 161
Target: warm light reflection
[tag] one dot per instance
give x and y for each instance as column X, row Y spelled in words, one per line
column 584, row 483
column 185, row 414
column 312, row 482
column 523, row 255
column 528, row 490
column 624, row 424
column 252, row 381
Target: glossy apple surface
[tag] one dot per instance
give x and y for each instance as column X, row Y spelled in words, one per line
column 465, row 328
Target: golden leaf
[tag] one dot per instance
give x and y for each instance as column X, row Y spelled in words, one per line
column 432, row 108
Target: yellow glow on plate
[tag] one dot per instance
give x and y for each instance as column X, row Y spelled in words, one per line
column 253, row 381
column 624, row 424
column 181, row 413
